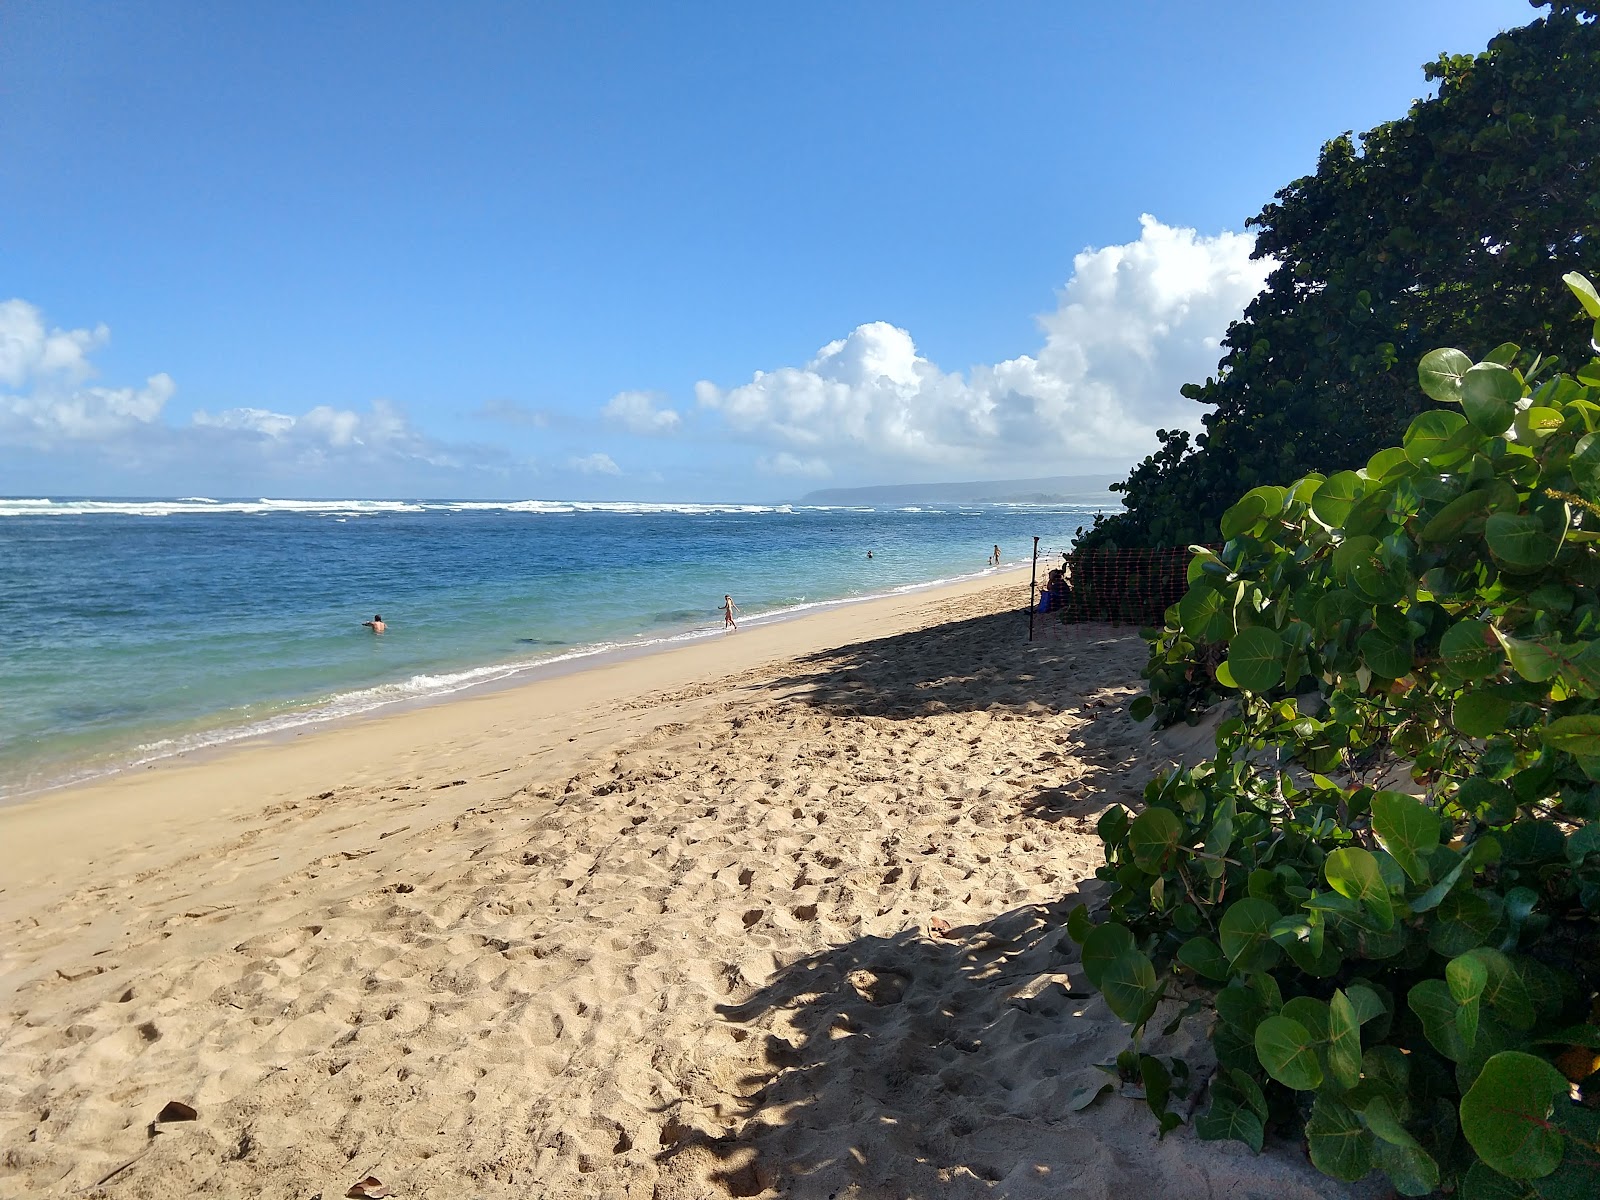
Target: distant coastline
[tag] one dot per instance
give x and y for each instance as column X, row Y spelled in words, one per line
column 1053, row 489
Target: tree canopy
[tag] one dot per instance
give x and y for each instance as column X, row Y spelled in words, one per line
column 1450, row 226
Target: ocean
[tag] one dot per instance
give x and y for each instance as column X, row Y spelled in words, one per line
column 134, row 630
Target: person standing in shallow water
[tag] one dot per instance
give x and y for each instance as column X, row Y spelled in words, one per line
column 376, row 624
column 997, row 556
column 728, row 609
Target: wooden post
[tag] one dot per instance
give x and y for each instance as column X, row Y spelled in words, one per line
column 1033, row 602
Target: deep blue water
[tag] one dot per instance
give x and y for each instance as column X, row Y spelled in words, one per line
column 134, row 630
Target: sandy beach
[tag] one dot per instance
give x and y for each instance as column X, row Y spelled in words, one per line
column 776, row 914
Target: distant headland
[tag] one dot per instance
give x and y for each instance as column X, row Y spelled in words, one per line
column 1055, row 489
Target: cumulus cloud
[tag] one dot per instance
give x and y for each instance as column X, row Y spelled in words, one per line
column 1133, row 323
column 594, row 464
column 637, row 412
column 48, row 405
column 29, row 350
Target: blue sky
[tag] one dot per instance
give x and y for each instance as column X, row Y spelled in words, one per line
column 608, row 251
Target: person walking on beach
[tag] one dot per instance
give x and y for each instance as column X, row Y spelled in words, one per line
column 728, row 609
column 376, row 624
column 997, row 556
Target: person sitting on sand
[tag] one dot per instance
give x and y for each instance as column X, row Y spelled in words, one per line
column 376, row 624
column 728, row 609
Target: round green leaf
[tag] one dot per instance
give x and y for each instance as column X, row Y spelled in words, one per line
column 1506, row 1115
column 1408, row 829
column 1578, row 735
column 1585, row 462
column 1467, row 976
column 1470, row 650
column 1199, row 605
column 1481, row 714
column 1334, row 499
column 1455, row 518
column 1245, row 932
column 1287, row 1051
column 1202, row 956
column 1340, row 1144
column 1344, row 1041
column 1243, row 516
column 1105, row 944
column 1255, row 658
column 1230, row 1122
column 1389, row 464
column 1585, row 292
column 1489, row 394
column 1521, row 542
column 1354, row 873
column 1441, row 373
column 1128, row 982
column 1435, row 434
column 1385, row 655
column 1153, row 837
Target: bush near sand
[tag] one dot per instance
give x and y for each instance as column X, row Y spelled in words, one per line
column 793, row 932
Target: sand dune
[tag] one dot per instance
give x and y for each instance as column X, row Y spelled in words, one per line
column 791, row 931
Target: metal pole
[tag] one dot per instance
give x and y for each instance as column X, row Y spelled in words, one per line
column 1032, row 583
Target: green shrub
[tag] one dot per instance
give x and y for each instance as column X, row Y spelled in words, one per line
column 1408, row 980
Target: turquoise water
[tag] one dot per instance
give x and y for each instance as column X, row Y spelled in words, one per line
column 134, row 630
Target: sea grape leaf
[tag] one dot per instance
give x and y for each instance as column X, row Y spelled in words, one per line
column 1354, row 874
column 1408, row 829
column 1364, row 1003
column 1437, row 436
column 1481, row 713
column 1245, row 932
column 1287, row 1051
column 1153, row 839
column 1579, row 734
column 1489, row 395
column 1584, row 291
column 1243, row 516
column 1255, row 657
column 1469, row 650
column 1506, row 1115
column 1105, row 944
column 1442, row 373
column 1231, row 1122
column 1128, row 982
column 1340, row 1144
column 1202, row 956
column 1386, row 656
column 1456, row 517
column 1335, row 498
column 1521, row 542
column 1436, row 1009
column 1344, row 1041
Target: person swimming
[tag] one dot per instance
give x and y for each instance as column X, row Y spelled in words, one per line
column 376, row 624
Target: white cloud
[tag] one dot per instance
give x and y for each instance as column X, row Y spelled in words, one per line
column 784, row 463
column 594, row 464
column 31, row 352
column 637, row 413
column 1133, row 323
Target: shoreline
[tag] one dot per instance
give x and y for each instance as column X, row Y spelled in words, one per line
column 779, row 914
column 282, row 761
column 326, row 713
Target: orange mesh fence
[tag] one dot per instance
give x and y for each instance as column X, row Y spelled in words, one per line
column 1119, row 587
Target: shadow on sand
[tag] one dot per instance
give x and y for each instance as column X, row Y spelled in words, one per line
column 915, row 1066
column 975, row 664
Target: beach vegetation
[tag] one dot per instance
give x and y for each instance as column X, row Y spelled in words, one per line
column 1446, row 226
column 1383, row 889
